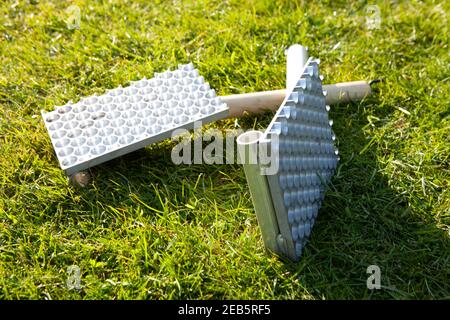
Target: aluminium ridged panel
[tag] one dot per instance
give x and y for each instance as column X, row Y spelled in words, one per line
column 99, row 128
column 307, row 158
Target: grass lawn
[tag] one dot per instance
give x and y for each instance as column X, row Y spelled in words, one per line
column 148, row 229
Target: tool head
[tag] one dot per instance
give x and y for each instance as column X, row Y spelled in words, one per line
column 99, row 128
column 301, row 136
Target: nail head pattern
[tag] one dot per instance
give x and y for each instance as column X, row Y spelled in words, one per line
column 307, row 155
column 100, row 128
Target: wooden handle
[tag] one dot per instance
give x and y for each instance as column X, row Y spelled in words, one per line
column 258, row 102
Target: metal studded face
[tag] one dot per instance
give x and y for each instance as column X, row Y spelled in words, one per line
column 307, row 159
column 100, row 128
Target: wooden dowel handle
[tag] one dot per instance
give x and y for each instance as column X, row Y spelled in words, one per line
column 258, row 102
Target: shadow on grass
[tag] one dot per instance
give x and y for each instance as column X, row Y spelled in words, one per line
column 362, row 222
